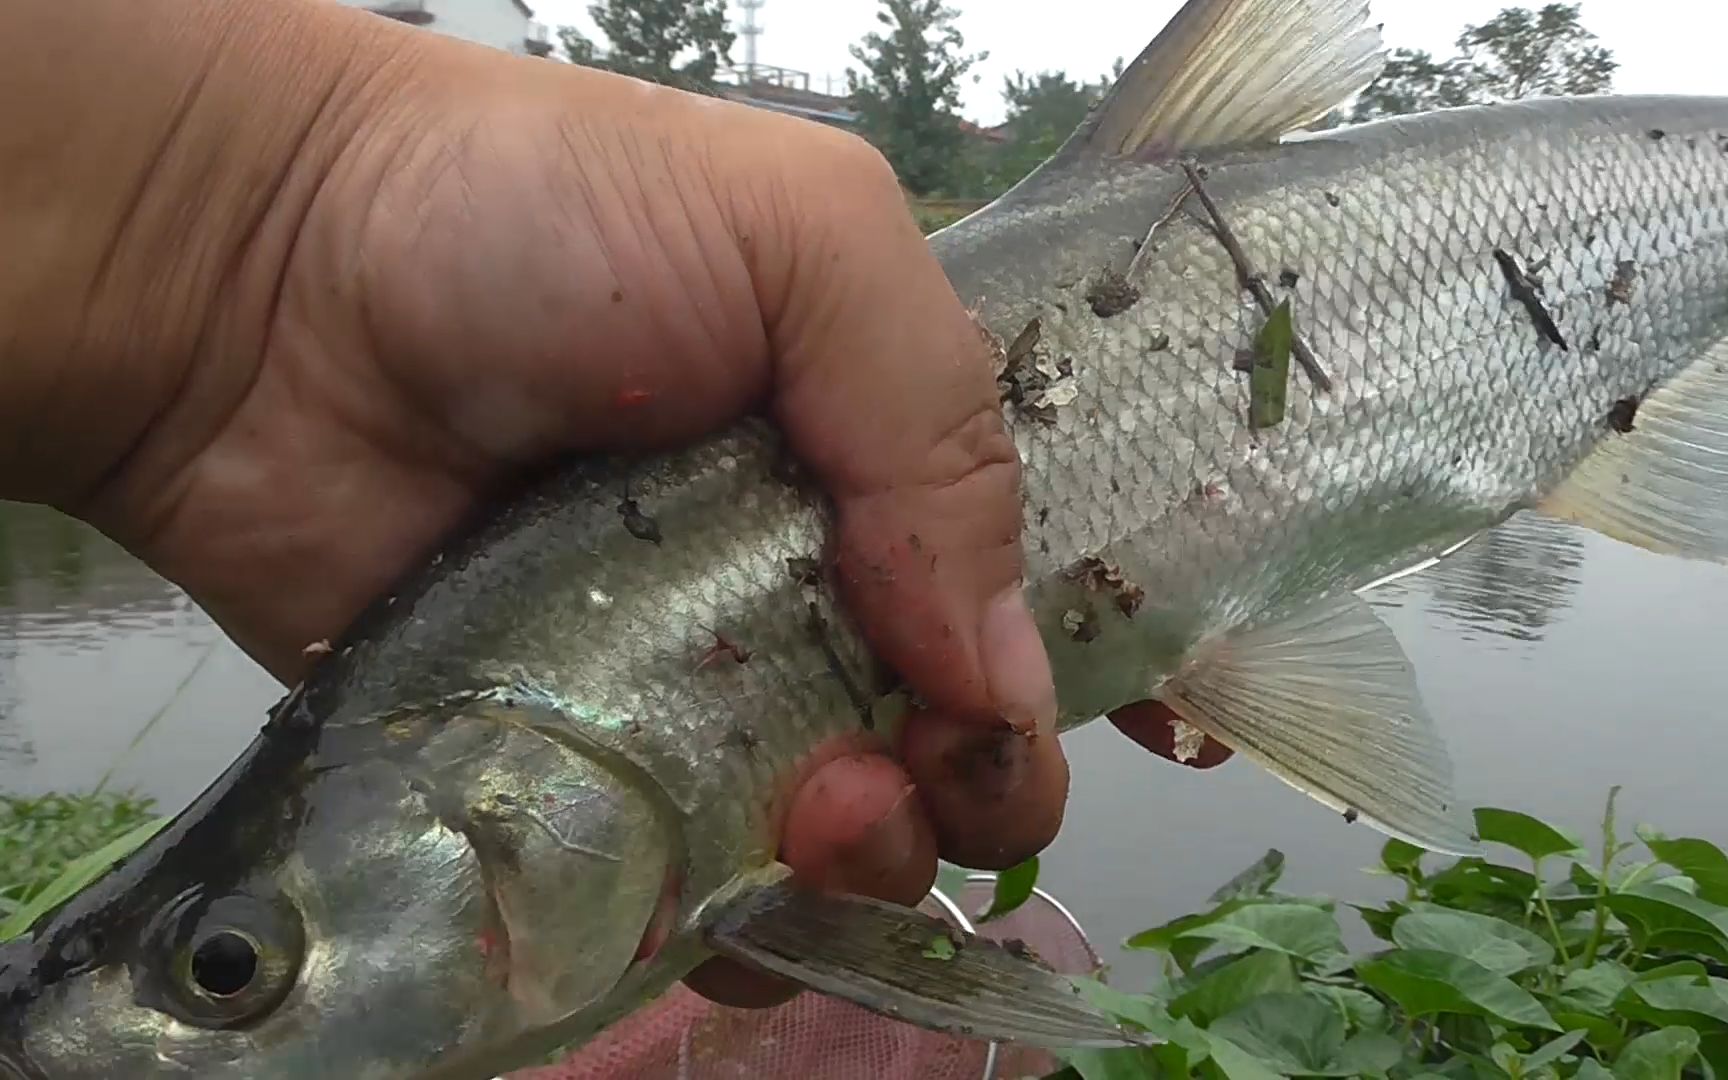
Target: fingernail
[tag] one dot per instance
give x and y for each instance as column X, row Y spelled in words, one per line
column 1016, row 668
column 883, row 848
column 989, row 765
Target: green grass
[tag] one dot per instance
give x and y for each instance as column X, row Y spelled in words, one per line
column 1550, row 962
column 52, row 845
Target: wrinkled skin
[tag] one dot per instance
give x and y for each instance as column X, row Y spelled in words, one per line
column 477, row 262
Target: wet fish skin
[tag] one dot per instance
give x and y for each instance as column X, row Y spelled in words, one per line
column 562, row 655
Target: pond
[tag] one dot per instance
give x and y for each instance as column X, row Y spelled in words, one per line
column 1557, row 662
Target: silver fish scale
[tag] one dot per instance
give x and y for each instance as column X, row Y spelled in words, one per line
column 1449, row 410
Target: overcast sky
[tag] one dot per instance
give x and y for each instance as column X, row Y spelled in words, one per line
column 1664, row 46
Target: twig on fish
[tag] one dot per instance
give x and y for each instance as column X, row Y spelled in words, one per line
column 1524, row 291
column 1146, row 244
column 819, row 632
column 1252, row 279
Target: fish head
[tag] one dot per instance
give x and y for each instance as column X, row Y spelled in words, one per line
column 389, row 898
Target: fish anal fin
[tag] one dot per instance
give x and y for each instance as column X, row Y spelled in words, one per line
column 1230, row 73
column 904, row 964
column 1325, row 700
column 1662, row 483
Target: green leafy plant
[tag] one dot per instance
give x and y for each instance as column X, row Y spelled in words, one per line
column 53, row 845
column 1555, row 962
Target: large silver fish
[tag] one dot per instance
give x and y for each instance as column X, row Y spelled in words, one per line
column 440, row 855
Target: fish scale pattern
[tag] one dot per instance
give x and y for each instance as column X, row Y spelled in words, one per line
column 1450, row 407
column 1156, row 517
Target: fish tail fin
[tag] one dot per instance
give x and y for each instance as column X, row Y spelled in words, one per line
column 1661, row 481
column 1326, row 701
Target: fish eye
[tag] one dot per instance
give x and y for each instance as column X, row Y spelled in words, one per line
column 228, row 960
column 224, row 963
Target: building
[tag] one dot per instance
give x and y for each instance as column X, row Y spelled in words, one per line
column 502, row 24
column 785, row 90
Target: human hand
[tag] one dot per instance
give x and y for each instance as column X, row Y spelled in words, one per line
column 472, row 262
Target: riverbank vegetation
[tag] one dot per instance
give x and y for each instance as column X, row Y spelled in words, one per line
column 1539, row 959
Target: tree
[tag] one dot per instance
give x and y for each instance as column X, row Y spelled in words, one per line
column 908, row 96
column 1518, row 53
column 1413, row 81
column 680, row 43
column 1043, row 110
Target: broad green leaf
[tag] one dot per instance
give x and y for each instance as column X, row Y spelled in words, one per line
column 1474, row 885
column 1231, row 1060
column 1241, row 979
column 78, row 874
column 1533, row 837
column 1659, row 1055
column 1674, row 919
column 1591, row 1069
column 1234, row 1062
column 1399, row 856
column 1553, row 1050
column 1699, row 860
column 1380, row 920
column 1115, row 1063
column 1494, row 943
column 1140, row 1010
column 1013, row 887
column 1304, row 932
column 1593, row 989
column 1292, row 1033
column 1673, row 970
column 1604, row 1034
column 1269, row 379
column 1163, row 938
column 1700, row 1003
column 1255, row 881
column 1425, row 982
column 1361, row 1010
column 1371, row 1053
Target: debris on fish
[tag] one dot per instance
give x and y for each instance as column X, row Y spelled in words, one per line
column 526, row 795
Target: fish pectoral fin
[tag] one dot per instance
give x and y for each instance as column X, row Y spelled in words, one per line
column 909, row 966
column 1233, row 73
column 1326, row 701
column 1662, row 483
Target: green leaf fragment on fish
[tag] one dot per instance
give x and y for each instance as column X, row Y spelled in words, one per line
column 1013, row 888
column 1269, row 381
column 940, row 948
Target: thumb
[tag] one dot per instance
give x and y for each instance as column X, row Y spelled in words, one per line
column 886, row 390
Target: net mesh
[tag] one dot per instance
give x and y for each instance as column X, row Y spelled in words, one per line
column 683, row 1036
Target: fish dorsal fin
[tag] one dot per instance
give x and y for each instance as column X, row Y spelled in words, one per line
column 1326, row 701
column 1232, row 73
column 1661, row 483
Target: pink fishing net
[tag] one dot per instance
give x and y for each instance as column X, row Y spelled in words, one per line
column 683, row 1036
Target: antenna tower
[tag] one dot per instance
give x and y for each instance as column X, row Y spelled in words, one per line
column 750, row 31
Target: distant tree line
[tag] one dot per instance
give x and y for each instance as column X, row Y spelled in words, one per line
column 912, row 70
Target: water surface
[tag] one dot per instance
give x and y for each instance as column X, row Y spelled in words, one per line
column 1557, row 663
